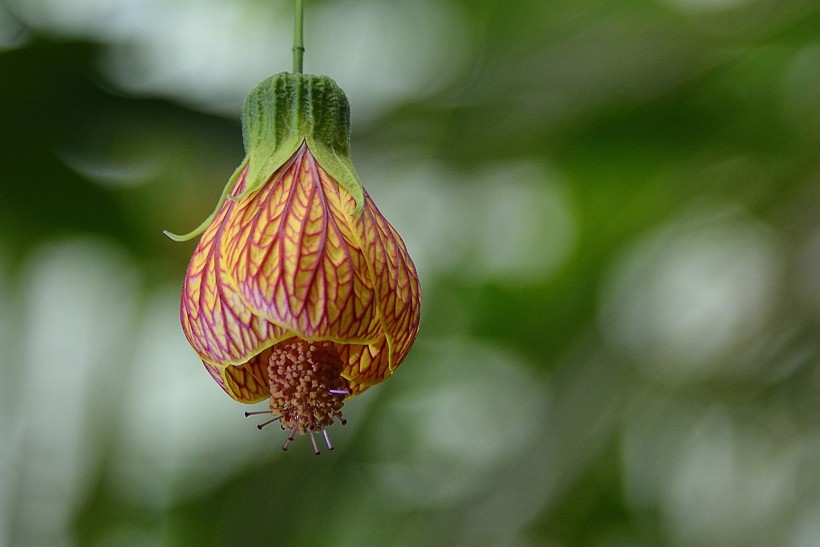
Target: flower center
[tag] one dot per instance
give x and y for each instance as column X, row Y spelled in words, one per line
column 306, row 385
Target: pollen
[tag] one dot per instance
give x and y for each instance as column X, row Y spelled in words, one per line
column 306, row 385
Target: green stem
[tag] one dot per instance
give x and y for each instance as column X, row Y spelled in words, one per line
column 298, row 39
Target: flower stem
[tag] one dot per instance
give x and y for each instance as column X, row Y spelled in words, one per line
column 298, row 39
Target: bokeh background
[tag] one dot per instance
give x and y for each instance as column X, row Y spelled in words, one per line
column 614, row 207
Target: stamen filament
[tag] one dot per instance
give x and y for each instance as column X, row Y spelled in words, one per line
column 257, row 413
column 291, row 436
column 260, row 426
column 327, row 439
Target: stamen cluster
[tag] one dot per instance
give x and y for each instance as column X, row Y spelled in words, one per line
column 306, row 386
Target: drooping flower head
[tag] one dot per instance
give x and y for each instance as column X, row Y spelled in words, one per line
column 299, row 290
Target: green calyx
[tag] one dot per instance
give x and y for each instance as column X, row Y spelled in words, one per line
column 280, row 114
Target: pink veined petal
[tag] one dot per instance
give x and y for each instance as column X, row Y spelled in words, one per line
column 366, row 365
column 247, row 383
column 296, row 264
column 399, row 292
column 217, row 323
column 395, row 281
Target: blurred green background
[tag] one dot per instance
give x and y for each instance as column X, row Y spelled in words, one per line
column 614, row 207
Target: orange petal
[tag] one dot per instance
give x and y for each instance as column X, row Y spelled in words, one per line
column 217, row 323
column 296, row 261
column 396, row 279
column 365, row 365
column 396, row 284
column 246, row 383
column 394, row 276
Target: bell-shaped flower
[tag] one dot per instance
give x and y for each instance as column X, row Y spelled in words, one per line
column 299, row 290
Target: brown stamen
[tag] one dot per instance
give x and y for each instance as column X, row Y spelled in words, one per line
column 306, row 386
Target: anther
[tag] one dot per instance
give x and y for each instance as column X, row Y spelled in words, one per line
column 313, row 442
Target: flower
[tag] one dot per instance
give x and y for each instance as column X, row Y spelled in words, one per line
column 299, row 290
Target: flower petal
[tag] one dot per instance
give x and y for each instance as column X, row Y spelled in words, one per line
column 394, row 276
column 246, row 383
column 396, row 280
column 366, row 365
column 296, row 263
column 218, row 324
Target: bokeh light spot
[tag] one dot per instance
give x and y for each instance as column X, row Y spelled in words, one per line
column 463, row 411
column 691, row 292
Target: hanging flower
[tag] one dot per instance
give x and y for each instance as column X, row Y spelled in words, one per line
column 299, row 290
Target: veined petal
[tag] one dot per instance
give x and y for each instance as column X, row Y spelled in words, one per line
column 395, row 281
column 218, row 324
column 395, row 278
column 246, row 383
column 365, row 365
column 296, row 261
